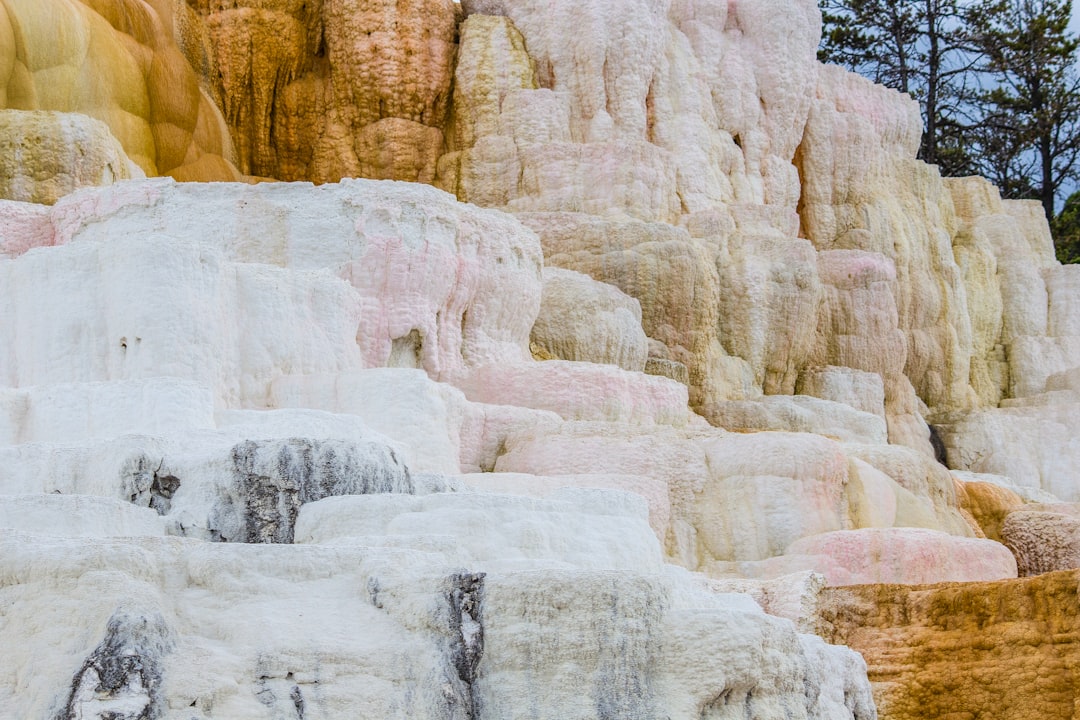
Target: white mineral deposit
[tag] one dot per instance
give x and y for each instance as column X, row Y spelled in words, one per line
column 505, row 360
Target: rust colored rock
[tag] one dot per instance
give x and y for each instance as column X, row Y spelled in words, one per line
column 1009, row 649
column 333, row 88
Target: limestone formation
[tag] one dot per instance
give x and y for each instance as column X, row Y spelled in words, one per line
column 674, row 280
column 669, row 351
column 231, row 282
column 654, row 490
column 274, row 479
column 331, row 89
column 393, row 632
column 799, row 414
column 1044, row 538
column 859, row 389
column 988, row 504
column 1029, row 436
column 1031, row 441
column 584, row 320
column 912, row 556
column 580, row 392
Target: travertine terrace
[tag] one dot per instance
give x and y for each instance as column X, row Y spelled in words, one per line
column 539, row 359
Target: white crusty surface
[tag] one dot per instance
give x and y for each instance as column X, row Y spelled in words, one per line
column 684, row 317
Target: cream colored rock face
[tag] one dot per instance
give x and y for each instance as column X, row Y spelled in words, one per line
column 581, row 319
column 48, row 155
column 862, row 191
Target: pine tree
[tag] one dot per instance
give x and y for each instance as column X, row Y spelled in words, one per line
column 1066, row 227
column 1033, row 95
column 920, row 47
column 875, row 38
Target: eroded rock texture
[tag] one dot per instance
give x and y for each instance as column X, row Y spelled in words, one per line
column 122, row 677
column 332, row 88
column 381, row 623
column 47, row 155
column 1006, row 649
column 1044, row 538
column 277, row 384
column 275, row 478
column 688, row 153
column 365, row 275
column 588, row 321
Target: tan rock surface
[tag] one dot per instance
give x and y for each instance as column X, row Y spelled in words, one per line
column 859, row 327
column 863, row 191
column 589, row 321
column 988, row 505
column 926, row 497
column 1007, row 650
column 769, row 298
column 46, row 155
column 763, row 229
column 674, row 279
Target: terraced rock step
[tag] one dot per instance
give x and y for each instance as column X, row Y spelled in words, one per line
column 1008, row 649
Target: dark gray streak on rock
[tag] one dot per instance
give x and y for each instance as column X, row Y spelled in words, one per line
column 275, row 477
column 280, row 695
column 465, row 600
column 121, row 679
column 297, row 698
column 622, row 688
column 136, row 477
column 147, row 484
column 162, row 488
column 374, row 588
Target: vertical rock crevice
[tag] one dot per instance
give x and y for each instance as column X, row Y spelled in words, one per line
column 465, row 604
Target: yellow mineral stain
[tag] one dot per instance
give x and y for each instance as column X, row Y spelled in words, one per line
column 118, row 61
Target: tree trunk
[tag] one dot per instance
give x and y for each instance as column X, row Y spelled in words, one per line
column 933, row 59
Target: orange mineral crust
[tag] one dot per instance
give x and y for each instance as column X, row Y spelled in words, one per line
column 1008, row 650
